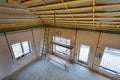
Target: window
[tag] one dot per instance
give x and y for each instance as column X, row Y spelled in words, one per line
column 21, row 49
column 111, row 60
column 59, row 49
column 84, row 53
column 62, row 40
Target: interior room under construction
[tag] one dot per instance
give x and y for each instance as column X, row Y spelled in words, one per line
column 59, row 40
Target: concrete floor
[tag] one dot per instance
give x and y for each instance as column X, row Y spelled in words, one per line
column 45, row 70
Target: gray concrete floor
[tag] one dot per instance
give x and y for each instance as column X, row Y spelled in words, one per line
column 45, row 70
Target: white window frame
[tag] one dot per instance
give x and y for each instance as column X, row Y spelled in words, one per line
column 86, row 63
column 60, row 52
column 105, row 68
column 22, row 48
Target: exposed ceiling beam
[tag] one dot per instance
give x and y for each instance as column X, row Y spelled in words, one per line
column 11, row 8
column 62, row 10
column 19, row 25
column 19, row 19
column 7, row 15
column 67, row 18
column 59, row 4
column 15, row 14
column 81, row 14
column 66, row 15
column 80, row 9
column 67, row 8
column 97, row 18
column 96, row 22
column 3, row 21
column 97, row 25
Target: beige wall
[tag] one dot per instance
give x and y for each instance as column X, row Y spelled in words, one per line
column 96, row 40
column 65, row 33
column 106, row 40
column 38, row 37
column 8, row 64
column 90, row 39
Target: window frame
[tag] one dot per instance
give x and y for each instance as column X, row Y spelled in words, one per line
column 63, row 53
column 86, row 63
column 105, row 68
column 54, row 45
column 22, row 48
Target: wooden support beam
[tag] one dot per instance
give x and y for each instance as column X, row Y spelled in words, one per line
column 15, row 9
column 69, row 12
column 16, row 14
column 59, row 4
column 83, row 14
column 6, row 21
column 90, row 25
column 93, row 11
column 80, row 9
column 90, row 18
column 86, row 22
column 19, row 25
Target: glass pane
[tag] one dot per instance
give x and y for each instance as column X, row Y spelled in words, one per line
column 61, row 40
column 17, row 50
column 84, row 53
column 26, row 47
column 111, row 60
column 61, row 50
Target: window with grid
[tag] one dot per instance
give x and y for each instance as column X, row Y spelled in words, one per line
column 21, row 49
column 111, row 60
column 60, row 49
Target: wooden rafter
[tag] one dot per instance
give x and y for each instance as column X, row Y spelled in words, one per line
column 69, row 12
column 60, row 4
column 64, row 13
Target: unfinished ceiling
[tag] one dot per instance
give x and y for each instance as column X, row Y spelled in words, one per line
column 92, row 14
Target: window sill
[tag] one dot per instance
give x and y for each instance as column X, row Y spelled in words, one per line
column 22, row 56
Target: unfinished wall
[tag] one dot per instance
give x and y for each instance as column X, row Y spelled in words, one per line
column 8, row 64
column 96, row 40
column 64, row 33
column 38, row 37
column 90, row 39
column 106, row 40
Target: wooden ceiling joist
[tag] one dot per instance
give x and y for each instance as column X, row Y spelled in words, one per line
column 80, row 9
column 15, row 14
column 76, row 13
column 97, row 22
column 60, row 4
column 81, row 14
column 98, row 18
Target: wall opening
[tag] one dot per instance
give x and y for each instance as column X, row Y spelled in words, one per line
column 84, row 51
column 59, row 49
column 21, row 49
column 111, row 60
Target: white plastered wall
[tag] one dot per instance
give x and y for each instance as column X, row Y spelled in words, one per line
column 106, row 40
column 96, row 40
column 38, row 37
column 8, row 64
column 90, row 39
column 65, row 33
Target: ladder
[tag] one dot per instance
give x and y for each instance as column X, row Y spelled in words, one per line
column 45, row 42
